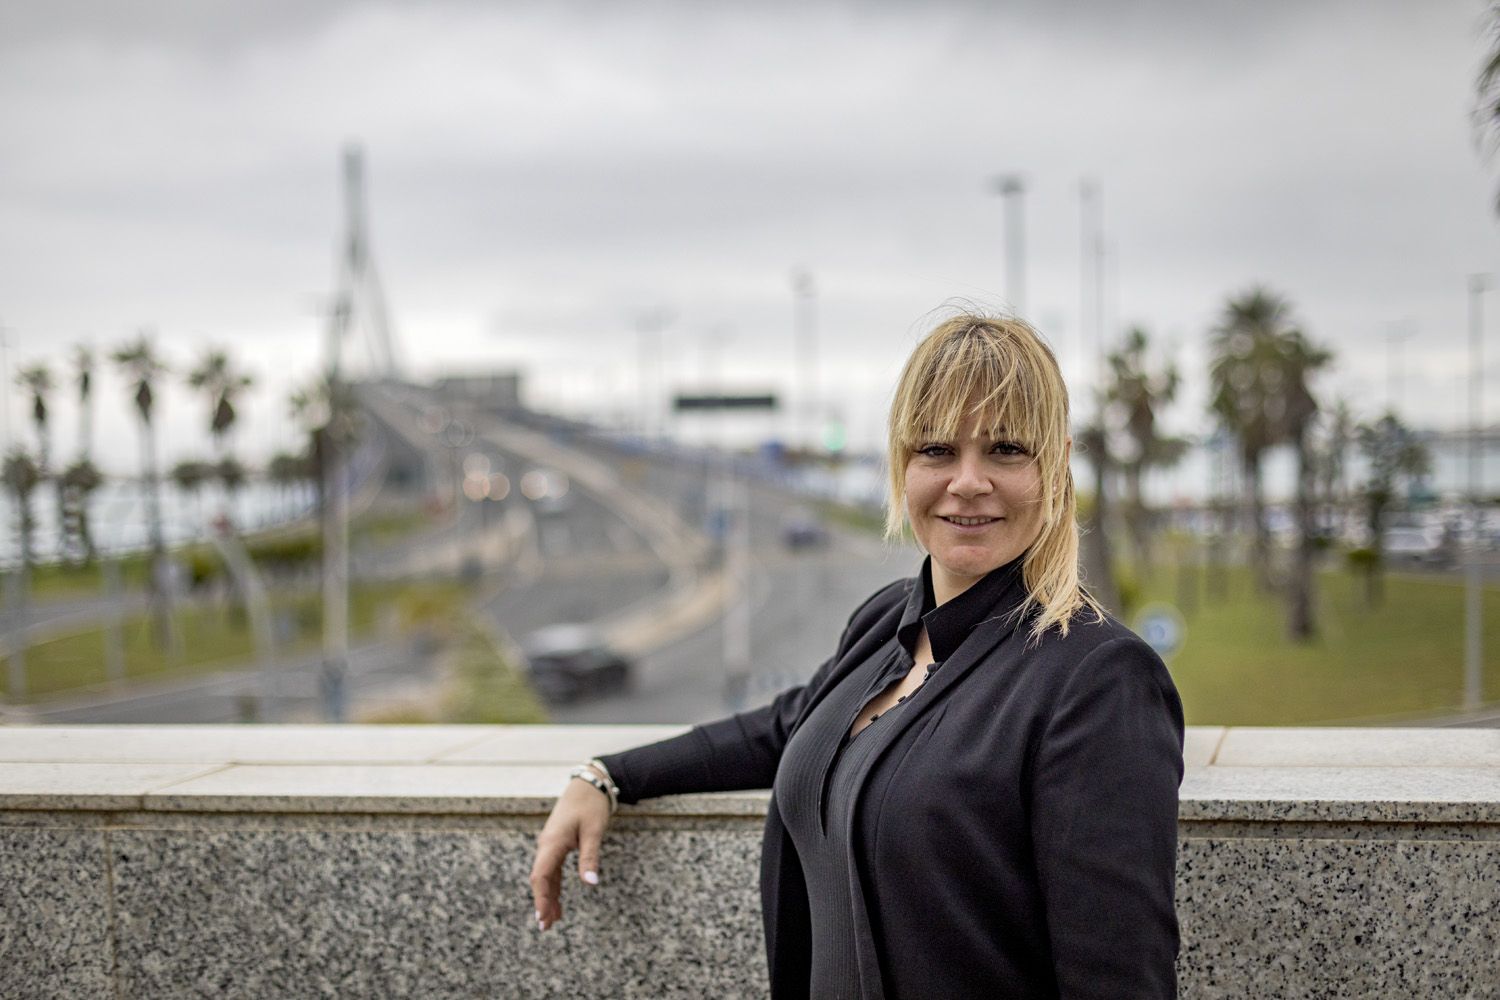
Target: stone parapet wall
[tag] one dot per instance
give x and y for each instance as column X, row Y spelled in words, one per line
column 160, row 862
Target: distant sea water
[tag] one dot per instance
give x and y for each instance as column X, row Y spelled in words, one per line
column 119, row 523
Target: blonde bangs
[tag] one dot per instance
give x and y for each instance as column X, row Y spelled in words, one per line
column 961, row 380
column 1000, row 370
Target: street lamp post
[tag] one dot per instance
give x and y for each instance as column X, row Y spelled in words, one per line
column 1396, row 334
column 1012, row 189
column 804, row 319
column 649, row 324
column 1473, row 584
column 1091, row 281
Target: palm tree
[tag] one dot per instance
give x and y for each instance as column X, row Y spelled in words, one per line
column 83, row 374
column 80, row 479
column 190, row 476
column 1299, row 360
column 1396, row 458
column 215, row 375
column 1487, row 93
column 288, row 471
column 141, row 366
column 1246, row 394
column 1137, row 395
column 37, row 380
column 1333, row 465
column 79, row 482
column 21, row 475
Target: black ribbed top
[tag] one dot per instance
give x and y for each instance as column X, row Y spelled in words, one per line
column 818, row 799
column 823, row 773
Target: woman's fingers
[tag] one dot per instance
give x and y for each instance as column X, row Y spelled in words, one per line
column 577, row 821
column 546, row 880
column 589, row 837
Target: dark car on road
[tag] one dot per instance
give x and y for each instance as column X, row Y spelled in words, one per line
column 802, row 530
column 569, row 662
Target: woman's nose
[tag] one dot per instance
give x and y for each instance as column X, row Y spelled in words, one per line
column 969, row 479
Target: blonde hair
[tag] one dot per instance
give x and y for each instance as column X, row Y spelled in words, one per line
column 999, row 370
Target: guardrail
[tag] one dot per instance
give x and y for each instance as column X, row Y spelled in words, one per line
column 369, row 861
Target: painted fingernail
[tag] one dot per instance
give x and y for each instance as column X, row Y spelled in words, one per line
column 538, row 914
column 540, row 924
column 592, row 878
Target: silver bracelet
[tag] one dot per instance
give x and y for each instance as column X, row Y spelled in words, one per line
column 609, row 780
column 584, row 772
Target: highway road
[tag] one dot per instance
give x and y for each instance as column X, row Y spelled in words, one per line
column 800, row 601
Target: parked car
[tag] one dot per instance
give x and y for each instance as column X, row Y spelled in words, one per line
column 569, row 662
column 1415, row 545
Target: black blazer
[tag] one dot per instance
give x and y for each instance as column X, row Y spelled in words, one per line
column 1032, row 840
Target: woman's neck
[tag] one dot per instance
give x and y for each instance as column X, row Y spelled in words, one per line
column 946, row 586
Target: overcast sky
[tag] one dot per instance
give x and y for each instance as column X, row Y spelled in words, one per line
column 538, row 174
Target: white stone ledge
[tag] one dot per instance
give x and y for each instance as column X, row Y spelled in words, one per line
column 1255, row 775
column 158, row 861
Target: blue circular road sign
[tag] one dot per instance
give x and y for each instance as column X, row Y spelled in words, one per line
column 1162, row 627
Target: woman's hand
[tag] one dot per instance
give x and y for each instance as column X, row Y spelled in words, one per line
column 577, row 823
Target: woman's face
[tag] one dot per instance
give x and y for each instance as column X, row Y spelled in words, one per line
column 974, row 505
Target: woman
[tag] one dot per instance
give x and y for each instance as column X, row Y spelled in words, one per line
column 976, row 796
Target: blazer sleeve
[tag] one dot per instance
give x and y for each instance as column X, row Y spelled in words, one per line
column 1104, row 825
column 736, row 753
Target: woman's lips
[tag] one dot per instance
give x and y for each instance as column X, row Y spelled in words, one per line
column 973, row 523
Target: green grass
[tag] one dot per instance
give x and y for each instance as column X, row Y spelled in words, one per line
column 388, row 526
column 59, row 581
column 56, row 581
column 1401, row 659
column 216, row 638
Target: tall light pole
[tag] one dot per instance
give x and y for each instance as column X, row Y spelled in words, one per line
column 1396, row 334
column 1473, row 584
column 1012, row 189
column 805, row 332
column 4, row 388
column 649, row 324
column 1091, row 305
column 1097, row 562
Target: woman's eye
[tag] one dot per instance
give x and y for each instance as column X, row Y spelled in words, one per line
column 1008, row 448
column 933, row 450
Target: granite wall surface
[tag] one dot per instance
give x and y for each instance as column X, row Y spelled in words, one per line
column 161, row 862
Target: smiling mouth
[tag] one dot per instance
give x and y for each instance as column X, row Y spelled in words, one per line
column 969, row 522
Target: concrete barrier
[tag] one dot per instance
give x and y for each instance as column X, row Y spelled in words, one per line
column 390, row 861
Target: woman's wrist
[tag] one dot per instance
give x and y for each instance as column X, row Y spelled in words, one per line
column 603, row 772
column 594, row 772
